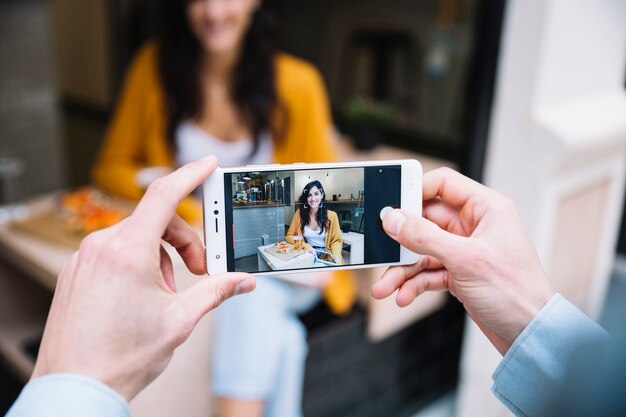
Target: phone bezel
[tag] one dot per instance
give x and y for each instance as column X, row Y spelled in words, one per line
column 213, row 200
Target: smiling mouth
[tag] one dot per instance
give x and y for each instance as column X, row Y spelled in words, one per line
column 213, row 30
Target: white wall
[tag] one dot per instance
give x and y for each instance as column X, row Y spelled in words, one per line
column 557, row 139
column 344, row 181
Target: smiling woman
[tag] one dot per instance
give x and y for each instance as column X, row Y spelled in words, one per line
column 318, row 225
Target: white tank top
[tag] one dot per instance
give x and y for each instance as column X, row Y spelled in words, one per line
column 314, row 238
column 194, row 143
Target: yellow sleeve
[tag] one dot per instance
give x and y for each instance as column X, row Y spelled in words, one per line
column 294, row 227
column 123, row 151
column 336, row 241
column 319, row 142
column 135, row 126
column 340, row 293
column 307, row 134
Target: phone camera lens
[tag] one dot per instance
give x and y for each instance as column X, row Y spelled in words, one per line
column 215, row 202
column 216, row 212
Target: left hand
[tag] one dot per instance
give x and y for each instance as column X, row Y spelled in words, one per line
column 116, row 315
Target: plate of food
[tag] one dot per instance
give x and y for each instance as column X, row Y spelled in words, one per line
column 284, row 250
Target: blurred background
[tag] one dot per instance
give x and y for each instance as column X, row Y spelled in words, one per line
column 525, row 96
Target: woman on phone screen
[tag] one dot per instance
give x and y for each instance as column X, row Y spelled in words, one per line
column 315, row 223
column 212, row 82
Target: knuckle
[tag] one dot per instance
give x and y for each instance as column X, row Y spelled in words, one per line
column 160, row 187
column 90, row 244
column 503, row 202
column 220, row 294
column 446, row 171
column 413, row 234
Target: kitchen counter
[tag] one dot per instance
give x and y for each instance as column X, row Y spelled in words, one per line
column 257, row 205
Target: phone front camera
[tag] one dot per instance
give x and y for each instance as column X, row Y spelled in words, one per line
column 216, row 212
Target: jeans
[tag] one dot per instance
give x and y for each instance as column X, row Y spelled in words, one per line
column 260, row 346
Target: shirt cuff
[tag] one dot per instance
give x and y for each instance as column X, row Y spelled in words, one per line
column 535, row 366
column 68, row 395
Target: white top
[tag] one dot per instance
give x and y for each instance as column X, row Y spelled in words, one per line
column 194, row 143
column 314, row 238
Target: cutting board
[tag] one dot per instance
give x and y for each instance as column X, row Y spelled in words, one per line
column 284, row 256
column 48, row 224
column 51, row 227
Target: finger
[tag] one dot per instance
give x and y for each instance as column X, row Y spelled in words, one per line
column 187, row 243
column 444, row 216
column 422, row 236
column 394, row 277
column 212, row 291
column 431, row 280
column 453, row 188
column 156, row 208
column 167, row 269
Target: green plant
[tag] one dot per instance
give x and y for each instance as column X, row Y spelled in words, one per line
column 364, row 111
column 346, row 223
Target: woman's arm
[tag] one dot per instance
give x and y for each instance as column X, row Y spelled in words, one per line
column 335, row 241
column 124, row 151
column 136, row 138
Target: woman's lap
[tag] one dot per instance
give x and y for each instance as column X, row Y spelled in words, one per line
column 260, row 345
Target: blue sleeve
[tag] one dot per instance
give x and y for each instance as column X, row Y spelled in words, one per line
column 68, row 395
column 533, row 370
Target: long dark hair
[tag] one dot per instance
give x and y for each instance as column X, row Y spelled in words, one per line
column 179, row 52
column 322, row 211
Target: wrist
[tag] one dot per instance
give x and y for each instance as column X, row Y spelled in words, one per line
column 527, row 308
column 127, row 386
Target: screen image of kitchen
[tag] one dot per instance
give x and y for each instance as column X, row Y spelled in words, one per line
column 286, row 220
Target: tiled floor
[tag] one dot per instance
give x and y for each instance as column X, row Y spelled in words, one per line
column 612, row 320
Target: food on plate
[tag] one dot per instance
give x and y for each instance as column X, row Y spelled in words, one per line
column 87, row 210
column 283, row 247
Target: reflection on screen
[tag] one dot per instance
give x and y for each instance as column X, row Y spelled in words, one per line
column 286, row 220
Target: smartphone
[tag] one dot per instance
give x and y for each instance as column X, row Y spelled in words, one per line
column 289, row 219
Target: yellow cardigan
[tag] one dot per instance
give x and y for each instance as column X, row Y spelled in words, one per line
column 136, row 138
column 334, row 241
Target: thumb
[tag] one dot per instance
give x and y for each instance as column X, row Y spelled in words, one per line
column 422, row 236
column 213, row 290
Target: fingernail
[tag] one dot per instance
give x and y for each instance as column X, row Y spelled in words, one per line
column 208, row 158
column 245, row 286
column 393, row 222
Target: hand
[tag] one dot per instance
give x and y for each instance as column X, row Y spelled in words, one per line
column 116, row 315
column 475, row 246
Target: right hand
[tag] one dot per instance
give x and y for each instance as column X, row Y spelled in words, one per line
column 475, row 246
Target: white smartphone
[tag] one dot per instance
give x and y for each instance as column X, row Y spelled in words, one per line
column 287, row 219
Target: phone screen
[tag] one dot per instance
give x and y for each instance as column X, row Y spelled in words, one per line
column 309, row 218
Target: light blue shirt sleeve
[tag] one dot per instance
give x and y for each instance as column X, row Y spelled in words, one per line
column 68, row 395
column 535, row 366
